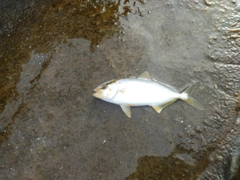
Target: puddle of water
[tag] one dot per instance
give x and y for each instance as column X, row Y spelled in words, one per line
column 46, row 23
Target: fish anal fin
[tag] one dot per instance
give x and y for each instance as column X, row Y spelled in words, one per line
column 145, row 75
column 126, row 110
column 157, row 108
column 160, row 107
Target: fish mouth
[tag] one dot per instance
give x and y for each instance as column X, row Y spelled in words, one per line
column 96, row 93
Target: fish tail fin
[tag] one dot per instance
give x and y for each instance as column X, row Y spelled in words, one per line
column 186, row 96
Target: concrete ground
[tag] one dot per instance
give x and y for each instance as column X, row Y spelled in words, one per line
column 54, row 53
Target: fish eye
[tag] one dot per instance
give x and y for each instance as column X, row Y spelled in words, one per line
column 106, row 84
column 104, row 87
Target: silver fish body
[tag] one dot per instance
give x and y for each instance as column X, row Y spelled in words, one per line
column 142, row 91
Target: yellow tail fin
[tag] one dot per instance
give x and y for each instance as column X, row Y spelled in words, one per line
column 186, row 96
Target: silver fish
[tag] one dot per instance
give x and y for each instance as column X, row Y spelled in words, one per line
column 142, row 91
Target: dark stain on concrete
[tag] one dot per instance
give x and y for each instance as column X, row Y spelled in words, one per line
column 44, row 24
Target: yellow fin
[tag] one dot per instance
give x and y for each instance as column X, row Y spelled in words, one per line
column 159, row 108
column 193, row 102
column 126, row 110
column 186, row 96
column 145, row 75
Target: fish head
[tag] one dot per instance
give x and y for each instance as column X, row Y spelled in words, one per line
column 106, row 90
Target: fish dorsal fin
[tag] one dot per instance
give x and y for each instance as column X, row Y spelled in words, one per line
column 145, row 75
column 126, row 110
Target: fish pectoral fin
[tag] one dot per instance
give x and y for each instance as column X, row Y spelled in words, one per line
column 126, row 110
column 159, row 108
column 145, row 75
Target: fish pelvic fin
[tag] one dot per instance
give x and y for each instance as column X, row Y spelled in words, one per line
column 126, row 110
column 186, row 96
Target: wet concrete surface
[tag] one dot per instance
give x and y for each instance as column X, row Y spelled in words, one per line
column 54, row 53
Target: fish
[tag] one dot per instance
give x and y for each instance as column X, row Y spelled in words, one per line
column 143, row 91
